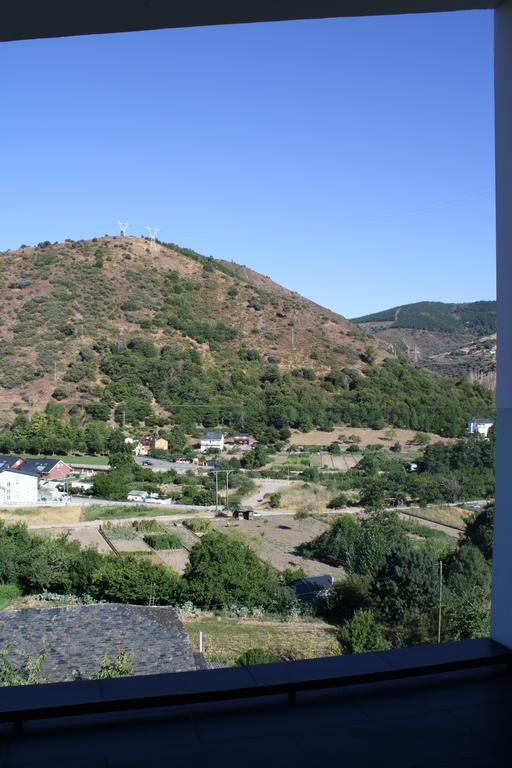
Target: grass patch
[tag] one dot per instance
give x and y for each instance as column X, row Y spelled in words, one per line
column 197, row 525
column 121, row 532
column 455, row 517
column 8, row 594
column 22, row 511
column 93, row 460
column 418, row 529
column 225, row 639
column 100, row 512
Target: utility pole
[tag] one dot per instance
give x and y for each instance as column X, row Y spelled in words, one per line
column 216, row 492
column 54, row 371
column 227, row 471
column 30, row 409
column 293, row 337
column 440, row 600
column 124, row 419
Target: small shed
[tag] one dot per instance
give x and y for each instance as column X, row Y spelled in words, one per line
column 310, row 588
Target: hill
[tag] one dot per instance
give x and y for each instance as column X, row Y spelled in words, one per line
column 452, row 339
column 111, row 331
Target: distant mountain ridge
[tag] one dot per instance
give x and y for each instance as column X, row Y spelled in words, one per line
column 449, row 338
column 477, row 317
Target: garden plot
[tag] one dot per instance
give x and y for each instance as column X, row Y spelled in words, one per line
column 176, row 559
column 86, row 536
column 132, row 545
column 275, row 540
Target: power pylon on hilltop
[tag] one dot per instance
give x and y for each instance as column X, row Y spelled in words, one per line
column 152, row 235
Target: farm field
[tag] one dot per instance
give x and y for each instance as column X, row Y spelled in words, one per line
column 225, row 638
column 452, row 516
column 176, row 559
column 275, row 539
column 368, row 436
column 41, row 515
column 86, row 536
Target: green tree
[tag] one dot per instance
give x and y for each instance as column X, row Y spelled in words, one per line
column 361, row 633
column 275, row 500
column 479, row 530
column 407, row 581
column 222, row 571
column 130, row 579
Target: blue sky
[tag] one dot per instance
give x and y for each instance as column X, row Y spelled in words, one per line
column 350, row 160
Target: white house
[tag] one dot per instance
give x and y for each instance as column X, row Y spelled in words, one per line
column 212, row 440
column 17, row 487
column 479, row 426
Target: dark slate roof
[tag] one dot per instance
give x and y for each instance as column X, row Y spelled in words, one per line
column 40, row 465
column 310, row 587
column 22, row 470
column 7, row 461
column 77, row 636
column 212, row 436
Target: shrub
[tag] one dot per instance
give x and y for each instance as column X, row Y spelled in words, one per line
column 275, row 500
column 197, row 524
column 222, row 570
column 256, row 656
column 121, row 666
column 338, row 502
column 162, row 541
column 134, row 580
column 361, row 633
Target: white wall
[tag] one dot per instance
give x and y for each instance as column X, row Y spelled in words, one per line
column 23, row 488
column 501, row 611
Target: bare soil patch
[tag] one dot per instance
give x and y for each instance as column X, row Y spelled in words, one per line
column 177, row 559
column 131, row 545
column 275, row 539
column 368, row 436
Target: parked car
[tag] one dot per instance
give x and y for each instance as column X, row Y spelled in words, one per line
column 146, row 464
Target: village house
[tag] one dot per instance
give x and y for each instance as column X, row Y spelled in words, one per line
column 241, row 438
column 212, row 440
column 479, row 426
column 18, row 486
column 10, row 462
column 144, row 446
column 47, row 469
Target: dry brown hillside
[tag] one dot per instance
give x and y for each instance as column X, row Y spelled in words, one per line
column 63, row 299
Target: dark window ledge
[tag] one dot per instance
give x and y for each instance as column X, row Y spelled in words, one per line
column 35, row 702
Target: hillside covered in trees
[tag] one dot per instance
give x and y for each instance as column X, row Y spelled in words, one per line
column 110, row 331
column 451, row 339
